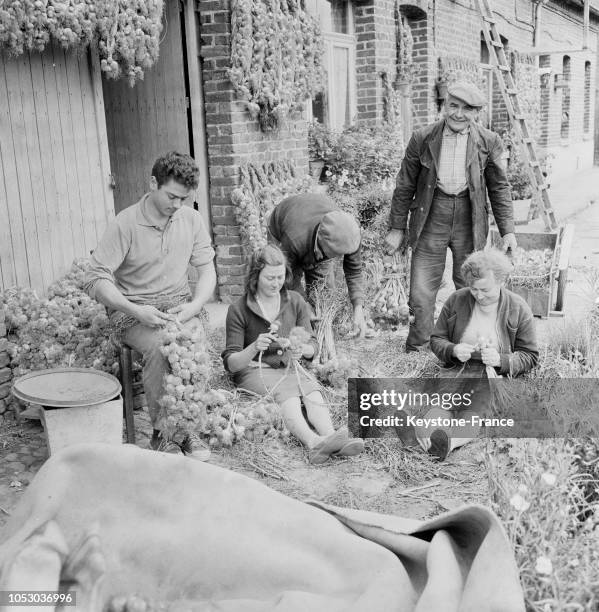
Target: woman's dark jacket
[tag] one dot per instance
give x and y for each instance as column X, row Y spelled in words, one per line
column 515, row 329
column 245, row 323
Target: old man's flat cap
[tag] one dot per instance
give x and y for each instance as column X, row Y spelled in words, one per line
column 467, row 92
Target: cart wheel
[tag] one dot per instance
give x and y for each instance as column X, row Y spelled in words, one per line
column 561, row 290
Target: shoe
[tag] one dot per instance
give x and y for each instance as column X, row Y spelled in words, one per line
column 193, row 448
column 439, row 444
column 418, row 349
column 198, row 451
column 353, row 447
column 325, row 448
column 156, row 441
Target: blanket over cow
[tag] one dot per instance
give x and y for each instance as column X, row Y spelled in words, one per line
column 186, row 535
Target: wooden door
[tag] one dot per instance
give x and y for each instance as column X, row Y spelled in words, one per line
column 55, row 199
column 150, row 118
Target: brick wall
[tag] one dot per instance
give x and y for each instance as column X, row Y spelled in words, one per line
column 562, row 32
column 233, row 139
column 376, row 53
column 423, row 98
column 374, row 22
column 5, row 371
column 457, row 30
column 454, row 28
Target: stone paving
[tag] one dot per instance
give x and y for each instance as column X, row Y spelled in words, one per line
column 23, row 451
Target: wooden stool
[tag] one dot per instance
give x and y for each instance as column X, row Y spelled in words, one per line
column 126, row 377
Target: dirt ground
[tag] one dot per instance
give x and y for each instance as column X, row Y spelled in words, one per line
column 388, row 477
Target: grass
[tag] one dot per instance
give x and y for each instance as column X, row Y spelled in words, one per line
column 546, row 492
column 536, row 489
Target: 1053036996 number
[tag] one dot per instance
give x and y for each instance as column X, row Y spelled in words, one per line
column 37, row 598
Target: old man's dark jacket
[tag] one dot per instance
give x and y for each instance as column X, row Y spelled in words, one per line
column 417, row 180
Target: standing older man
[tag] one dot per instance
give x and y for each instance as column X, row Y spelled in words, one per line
column 447, row 172
column 140, row 267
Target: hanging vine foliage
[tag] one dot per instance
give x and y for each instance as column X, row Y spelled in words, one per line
column 126, row 32
column 276, row 57
column 262, row 187
column 407, row 69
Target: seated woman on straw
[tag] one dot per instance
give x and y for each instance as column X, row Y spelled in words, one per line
column 484, row 331
column 256, row 354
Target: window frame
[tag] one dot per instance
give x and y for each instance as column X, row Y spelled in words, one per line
column 348, row 42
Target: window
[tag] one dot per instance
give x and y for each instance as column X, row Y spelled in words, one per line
column 336, row 105
column 587, row 98
column 565, row 125
column 487, row 83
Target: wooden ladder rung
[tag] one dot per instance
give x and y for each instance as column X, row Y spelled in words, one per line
column 509, row 91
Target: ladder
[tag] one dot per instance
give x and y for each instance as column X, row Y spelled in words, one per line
column 540, row 199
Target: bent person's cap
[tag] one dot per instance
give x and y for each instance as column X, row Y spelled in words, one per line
column 338, row 234
column 467, row 92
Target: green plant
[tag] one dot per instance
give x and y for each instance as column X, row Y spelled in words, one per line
column 320, row 140
column 539, row 489
column 365, row 202
column 362, row 155
column 519, row 180
column 517, row 169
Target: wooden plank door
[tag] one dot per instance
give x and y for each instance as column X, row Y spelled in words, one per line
column 54, row 195
column 150, row 118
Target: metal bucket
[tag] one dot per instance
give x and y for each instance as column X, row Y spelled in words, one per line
column 78, row 405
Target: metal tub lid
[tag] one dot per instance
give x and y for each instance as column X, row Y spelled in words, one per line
column 67, row 387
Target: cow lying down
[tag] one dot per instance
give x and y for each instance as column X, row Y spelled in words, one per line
column 110, row 522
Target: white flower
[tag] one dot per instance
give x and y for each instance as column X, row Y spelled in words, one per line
column 519, row 503
column 523, row 489
column 544, row 566
column 549, row 479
